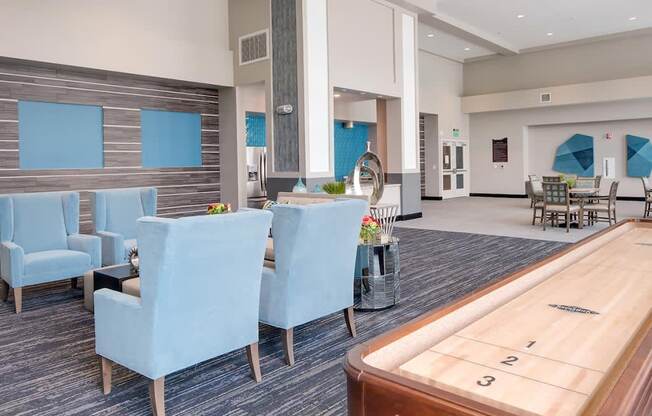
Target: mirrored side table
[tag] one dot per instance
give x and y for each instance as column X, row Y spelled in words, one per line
column 377, row 275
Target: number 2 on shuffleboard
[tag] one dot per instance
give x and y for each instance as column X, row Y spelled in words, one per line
column 486, row 381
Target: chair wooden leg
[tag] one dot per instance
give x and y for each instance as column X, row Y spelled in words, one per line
column 254, row 361
column 73, row 283
column 107, row 367
column 567, row 218
column 4, row 290
column 288, row 345
column 157, row 396
column 350, row 320
column 544, row 219
column 18, row 298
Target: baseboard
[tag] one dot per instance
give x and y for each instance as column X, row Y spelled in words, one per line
column 406, row 217
column 498, row 195
column 631, row 198
column 431, row 198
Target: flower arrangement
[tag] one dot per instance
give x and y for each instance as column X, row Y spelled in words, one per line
column 218, row 208
column 369, row 229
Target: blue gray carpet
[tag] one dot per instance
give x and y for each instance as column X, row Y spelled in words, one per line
column 48, row 365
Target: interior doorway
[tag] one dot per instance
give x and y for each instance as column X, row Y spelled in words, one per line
column 454, row 168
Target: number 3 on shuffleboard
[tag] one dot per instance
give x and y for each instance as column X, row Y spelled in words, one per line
column 486, row 381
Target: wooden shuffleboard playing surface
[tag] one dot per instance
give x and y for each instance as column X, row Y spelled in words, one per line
column 555, row 348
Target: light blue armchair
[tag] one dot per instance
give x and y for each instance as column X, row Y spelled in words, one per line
column 199, row 297
column 40, row 241
column 314, row 250
column 115, row 212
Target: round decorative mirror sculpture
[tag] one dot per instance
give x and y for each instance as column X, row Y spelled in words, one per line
column 367, row 166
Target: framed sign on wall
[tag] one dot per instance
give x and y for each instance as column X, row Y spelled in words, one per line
column 499, row 150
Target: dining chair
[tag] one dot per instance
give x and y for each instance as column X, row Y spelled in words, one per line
column 556, row 202
column 552, row 178
column 604, row 205
column 648, row 197
column 534, row 190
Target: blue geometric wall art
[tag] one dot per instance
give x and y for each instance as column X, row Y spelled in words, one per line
column 575, row 156
column 639, row 156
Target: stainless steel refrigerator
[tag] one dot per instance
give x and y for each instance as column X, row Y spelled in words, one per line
column 256, row 176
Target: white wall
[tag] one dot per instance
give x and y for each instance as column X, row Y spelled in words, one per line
column 162, row 38
column 544, row 140
column 364, row 111
column 440, row 92
column 516, row 126
column 362, row 36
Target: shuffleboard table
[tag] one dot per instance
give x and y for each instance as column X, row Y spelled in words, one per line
column 568, row 336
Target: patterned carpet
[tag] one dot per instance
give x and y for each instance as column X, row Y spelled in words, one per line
column 48, row 365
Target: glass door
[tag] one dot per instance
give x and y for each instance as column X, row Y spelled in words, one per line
column 455, row 174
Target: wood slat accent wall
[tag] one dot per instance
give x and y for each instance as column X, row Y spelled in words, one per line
column 422, row 153
column 182, row 191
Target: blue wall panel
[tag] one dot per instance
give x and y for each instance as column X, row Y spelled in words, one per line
column 170, row 139
column 350, row 144
column 256, row 129
column 639, row 156
column 59, row 136
column 575, row 156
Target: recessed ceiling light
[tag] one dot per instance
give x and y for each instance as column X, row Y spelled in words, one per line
column 363, row 93
column 467, row 49
column 380, row 96
column 520, row 16
column 549, row 34
column 431, row 35
column 631, row 19
column 337, row 95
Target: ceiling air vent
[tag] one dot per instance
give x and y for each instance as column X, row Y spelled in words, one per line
column 545, row 98
column 254, row 47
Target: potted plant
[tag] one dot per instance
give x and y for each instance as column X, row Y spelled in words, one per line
column 334, row 188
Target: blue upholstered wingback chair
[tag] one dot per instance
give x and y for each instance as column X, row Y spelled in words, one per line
column 40, row 241
column 115, row 212
column 314, row 249
column 199, row 297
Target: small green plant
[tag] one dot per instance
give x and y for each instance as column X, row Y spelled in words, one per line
column 571, row 181
column 334, row 188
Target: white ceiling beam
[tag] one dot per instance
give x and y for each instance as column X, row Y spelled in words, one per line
column 427, row 11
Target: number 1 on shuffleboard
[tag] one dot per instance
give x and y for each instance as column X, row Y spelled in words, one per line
column 530, row 344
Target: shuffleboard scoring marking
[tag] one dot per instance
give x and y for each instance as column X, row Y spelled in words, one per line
column 524, row 345
column 574, row 309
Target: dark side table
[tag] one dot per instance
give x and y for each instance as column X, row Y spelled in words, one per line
column 377, row 279
column 110, row 277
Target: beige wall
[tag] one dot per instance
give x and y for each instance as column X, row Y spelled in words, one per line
column 598, row 61
column 526, row 156
column 161, row 38
column 247, row 17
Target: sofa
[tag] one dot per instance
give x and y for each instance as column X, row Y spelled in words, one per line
column 200, row 290
column 40, row 241
column 314, row 259
column 114, row 213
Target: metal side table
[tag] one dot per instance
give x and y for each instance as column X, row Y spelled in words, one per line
column 377, row 275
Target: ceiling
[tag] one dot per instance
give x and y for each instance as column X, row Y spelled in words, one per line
column 444, row 44
column 513, row 26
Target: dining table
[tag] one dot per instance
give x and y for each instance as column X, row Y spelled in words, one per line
column 581, row 195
